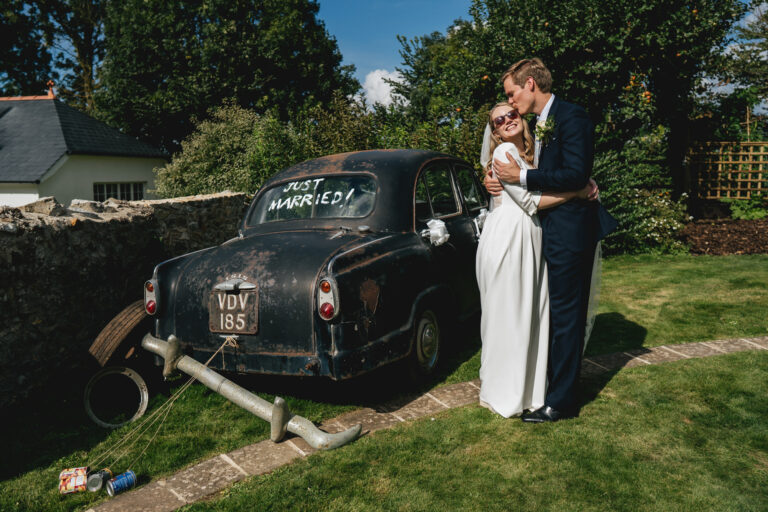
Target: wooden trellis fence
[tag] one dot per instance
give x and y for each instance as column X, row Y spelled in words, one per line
column 736, row 170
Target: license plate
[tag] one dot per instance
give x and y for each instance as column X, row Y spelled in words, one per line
column 234, row 313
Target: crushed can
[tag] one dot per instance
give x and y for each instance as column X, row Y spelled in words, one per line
column 72, row 480
column 97, row 479
column 121, row 482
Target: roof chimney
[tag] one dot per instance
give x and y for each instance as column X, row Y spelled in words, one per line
column 49, row 96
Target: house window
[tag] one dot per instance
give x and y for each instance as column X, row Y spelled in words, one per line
column 124, row 191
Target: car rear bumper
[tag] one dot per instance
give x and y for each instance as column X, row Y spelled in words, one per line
column 342, row 364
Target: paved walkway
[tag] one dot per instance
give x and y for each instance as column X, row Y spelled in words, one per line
column 210, row 476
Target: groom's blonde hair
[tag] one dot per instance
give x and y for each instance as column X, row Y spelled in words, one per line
column 535, row 68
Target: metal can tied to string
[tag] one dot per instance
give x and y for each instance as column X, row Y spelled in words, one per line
column 97, row 479
column 121, row 482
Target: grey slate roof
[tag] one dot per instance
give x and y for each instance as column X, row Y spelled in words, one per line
column 35, row 134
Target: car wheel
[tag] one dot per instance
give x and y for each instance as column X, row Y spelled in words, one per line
column 116, row 396
column 426, row 343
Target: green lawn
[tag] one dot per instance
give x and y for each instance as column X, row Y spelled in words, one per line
column 687, row 436
column 651, row 300
column 646, row 301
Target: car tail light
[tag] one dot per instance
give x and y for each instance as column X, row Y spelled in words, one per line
column 150, row 299
column 326, row 310
column 327, row 299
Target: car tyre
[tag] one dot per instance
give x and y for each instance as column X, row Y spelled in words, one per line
column 426, row 343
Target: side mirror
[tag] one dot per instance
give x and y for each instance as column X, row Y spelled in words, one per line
column 437, row 234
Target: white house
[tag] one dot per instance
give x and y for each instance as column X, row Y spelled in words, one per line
column 50, row 149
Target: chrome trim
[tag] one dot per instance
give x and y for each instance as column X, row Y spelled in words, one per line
column 234, row 285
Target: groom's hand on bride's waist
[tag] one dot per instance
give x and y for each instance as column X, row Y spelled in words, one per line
column 509, row 172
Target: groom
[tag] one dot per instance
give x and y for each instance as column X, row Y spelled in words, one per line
column 562, row 161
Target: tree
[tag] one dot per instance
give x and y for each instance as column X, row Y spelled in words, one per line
column 76, row 29
column 52, row 39
column 237, row 149
column 635, row 65
column 443, row 73
column 233, row 149
column 25, row 56
column 749, row 64
column 631, row 63
column 168, row 62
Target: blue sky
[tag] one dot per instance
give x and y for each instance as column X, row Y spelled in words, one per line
column 367, row 30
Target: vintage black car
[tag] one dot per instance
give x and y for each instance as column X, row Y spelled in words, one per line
column 342, row 264
column 336, row 270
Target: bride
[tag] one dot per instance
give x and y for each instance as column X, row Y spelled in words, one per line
column 512, row 277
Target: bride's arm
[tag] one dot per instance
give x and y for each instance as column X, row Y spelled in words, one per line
column 552, row 199
column 532, row 201
column 527, row 200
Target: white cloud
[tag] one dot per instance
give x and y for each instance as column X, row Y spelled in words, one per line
column 717, row 87
column 376, row 90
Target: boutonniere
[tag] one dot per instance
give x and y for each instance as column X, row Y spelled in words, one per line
column 545, row 129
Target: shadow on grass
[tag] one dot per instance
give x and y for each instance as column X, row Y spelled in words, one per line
column 385, row 384
column 612, row 334
column 52, row 424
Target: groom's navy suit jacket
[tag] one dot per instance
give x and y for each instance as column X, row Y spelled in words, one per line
column 565, row 163
column 570, row 233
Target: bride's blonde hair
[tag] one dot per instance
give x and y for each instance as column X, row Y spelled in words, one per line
column 528, row 147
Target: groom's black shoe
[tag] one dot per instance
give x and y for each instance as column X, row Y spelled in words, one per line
column 546, row 414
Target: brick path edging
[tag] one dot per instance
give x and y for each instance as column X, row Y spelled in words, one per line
column 212, row 475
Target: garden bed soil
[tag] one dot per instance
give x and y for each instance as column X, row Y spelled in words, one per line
column 726, row 236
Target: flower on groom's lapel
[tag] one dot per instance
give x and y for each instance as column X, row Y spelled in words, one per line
column 544, row 130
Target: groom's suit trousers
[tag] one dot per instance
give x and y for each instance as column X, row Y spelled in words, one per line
column 570, row 276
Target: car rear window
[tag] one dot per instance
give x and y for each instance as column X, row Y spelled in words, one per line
column 315, row 198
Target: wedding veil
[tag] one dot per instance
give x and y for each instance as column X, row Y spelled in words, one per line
column 594, row 293
column 485, row 150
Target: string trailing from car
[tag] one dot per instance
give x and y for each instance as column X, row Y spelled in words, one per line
column 124, row 447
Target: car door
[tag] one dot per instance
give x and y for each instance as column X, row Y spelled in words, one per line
column 438, row 197
column 472, row 194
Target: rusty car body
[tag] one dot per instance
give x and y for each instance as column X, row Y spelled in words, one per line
column 342, row 264
column 335, row 270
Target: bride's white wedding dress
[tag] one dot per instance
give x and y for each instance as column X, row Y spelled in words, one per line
column 512, row 277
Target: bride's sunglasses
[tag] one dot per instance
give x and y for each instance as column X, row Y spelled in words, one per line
column 511, row 115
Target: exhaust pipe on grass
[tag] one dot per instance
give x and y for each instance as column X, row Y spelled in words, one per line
column 277, row 414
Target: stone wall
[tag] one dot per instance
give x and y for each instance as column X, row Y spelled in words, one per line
column 67, row 271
